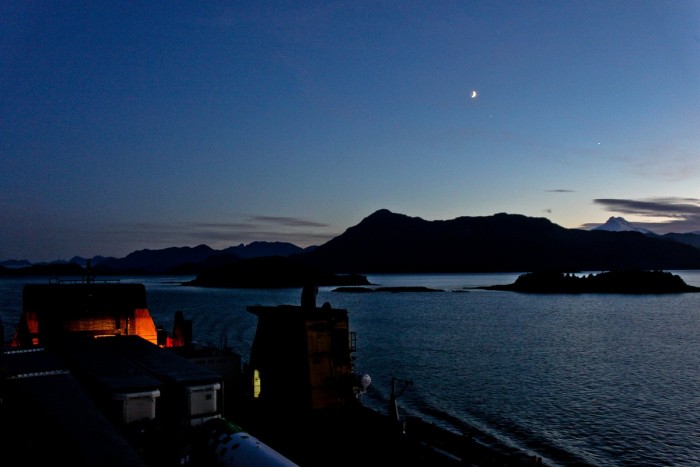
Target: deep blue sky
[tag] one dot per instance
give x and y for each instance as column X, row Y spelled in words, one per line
column 130, row 125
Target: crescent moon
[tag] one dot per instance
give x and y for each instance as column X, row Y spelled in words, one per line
column 473, row 94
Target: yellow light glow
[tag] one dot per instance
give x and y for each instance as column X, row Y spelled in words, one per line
column 256, row 384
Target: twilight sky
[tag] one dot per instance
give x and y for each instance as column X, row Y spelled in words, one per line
column 131, row 125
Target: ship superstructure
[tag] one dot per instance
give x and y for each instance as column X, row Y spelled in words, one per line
column 88, row 358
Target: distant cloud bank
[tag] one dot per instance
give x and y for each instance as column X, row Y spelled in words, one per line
column 681, row 214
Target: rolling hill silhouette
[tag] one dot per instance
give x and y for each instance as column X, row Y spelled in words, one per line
column 385, row 242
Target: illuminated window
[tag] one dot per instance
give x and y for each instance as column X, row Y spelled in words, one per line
column 256, row 384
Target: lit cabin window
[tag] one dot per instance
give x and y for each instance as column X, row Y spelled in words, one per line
column 256, row 384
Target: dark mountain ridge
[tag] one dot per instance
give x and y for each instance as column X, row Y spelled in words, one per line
column 395, row 243
column 691, row 239
column 387, row 242
column 173, row 260
column 158, row 261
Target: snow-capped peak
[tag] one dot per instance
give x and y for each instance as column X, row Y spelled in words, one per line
column 619, row 224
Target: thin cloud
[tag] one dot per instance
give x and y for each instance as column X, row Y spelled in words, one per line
column 555, row 190
column 681, row 214
column 288, row 221
column 218, row 235
column 223, row 225
column 653, row 207
column 676, row 164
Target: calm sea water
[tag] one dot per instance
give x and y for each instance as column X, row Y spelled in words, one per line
column 577, row 379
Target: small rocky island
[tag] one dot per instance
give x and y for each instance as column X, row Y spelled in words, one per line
column 617, row 282
column 386, row 289
column 272, row 272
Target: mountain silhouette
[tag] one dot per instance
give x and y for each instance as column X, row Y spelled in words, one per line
column 385, row 242
column 620, row 224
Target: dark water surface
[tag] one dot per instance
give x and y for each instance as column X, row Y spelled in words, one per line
column 590, row 379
